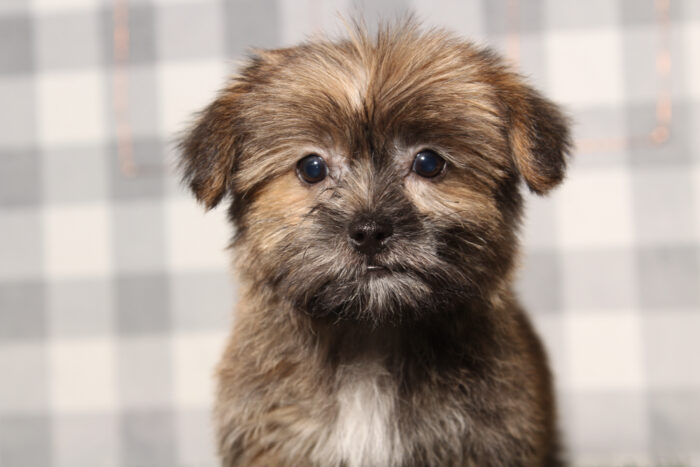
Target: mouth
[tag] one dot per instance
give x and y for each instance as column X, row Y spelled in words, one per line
column 377, row 270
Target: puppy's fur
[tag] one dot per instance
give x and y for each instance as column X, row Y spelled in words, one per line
column 433, row 362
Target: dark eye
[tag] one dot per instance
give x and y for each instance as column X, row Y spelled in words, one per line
column 312, row 168
column 428, row 164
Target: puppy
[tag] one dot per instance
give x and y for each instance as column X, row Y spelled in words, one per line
column 374, row 187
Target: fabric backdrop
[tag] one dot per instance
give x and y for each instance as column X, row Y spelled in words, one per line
column 115, row 290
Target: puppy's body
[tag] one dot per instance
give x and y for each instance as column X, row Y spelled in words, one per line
column 428, row 395
column 377, row 326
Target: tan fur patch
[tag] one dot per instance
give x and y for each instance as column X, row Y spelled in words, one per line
column 280, row 205
column 454, row 198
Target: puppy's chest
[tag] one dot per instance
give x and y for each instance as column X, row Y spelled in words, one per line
column 365, row 430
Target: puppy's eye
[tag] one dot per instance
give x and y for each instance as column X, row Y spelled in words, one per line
column 312, row 168
column 428, row 164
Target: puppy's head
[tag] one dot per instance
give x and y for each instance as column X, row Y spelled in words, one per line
column 376, row 178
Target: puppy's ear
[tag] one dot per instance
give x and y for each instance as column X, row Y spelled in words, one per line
column 209, row 149
column 538, row 134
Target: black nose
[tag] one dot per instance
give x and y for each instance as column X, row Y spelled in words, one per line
column 368, row 236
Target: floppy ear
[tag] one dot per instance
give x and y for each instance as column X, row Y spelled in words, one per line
column 209, row 148
column 538, row 135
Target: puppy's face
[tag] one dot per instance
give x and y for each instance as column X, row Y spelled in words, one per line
column 376, row 179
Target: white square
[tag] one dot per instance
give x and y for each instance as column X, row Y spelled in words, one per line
column 594, row 209
column 692, row 52
column 77, row 240
column 82, row 375
column 605, row 350
column 196, row 356
column 71, row 107
column 197, row 240
column 585, row 67
column 186, row 88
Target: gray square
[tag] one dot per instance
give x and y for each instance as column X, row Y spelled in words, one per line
column 83, row 440
column 17, row 118
column 142, row 304
column 201, row 301
column 141, row 103
column 574, row 14
column 24, row 371
column 145, row 372
column 148, row 439
column 21, row 252
column 23, row 313
column 20, row 177
column 75, row 174
column 190, row 31
column 174, row 187
column 641, row 120
column 600, row 136
column 68, row 40
column 504, row 16
column 675, row 433
column 259, row 27
column 374, row 11
column 663, row 206
column 599, row 279
column 16, row 44
column 634, row 12
column 606, row 425
column 539, row 282
column 138, row 236
column 148, row 179
column 25, row 441
column 81, row 307
column 141, row 25
column 13, row 6
column 668, row 277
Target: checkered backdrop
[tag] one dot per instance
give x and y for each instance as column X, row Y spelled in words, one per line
column 115, row 290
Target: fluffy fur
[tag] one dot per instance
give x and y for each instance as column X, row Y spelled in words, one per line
column 432, row 363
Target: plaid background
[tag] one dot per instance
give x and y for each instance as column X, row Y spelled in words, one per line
column 115, row 292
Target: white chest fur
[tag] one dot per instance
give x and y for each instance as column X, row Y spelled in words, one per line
column 365, row 432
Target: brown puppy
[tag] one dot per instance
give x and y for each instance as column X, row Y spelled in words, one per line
column 375, row 196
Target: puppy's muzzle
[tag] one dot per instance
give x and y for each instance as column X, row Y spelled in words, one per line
column 369, row 235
